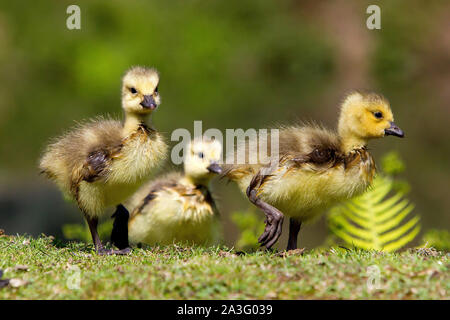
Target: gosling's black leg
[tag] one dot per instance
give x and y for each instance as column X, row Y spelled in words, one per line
column 274, row 220
column 119, row 234
column 294, row 228
column 92, row 223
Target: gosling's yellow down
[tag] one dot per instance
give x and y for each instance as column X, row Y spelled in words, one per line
column 102, row 162
column 315, row 167
column 176, row 207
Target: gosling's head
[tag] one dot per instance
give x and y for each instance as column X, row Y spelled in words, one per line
column 201, row 161
column 366, row 116
column 140, row 90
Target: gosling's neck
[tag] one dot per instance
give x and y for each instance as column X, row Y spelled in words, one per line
column 351, row 142
column 195, row 182
column 133, row 121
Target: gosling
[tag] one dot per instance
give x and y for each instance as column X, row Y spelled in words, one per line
column 101, row 163
column 176, row 207
column 315, row 167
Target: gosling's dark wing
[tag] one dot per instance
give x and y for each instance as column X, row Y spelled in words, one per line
column 313, row 145
column 310, row 147
column 320, row 158
column 97, row 162
column 153, row 190
column 95, row 165
column 210, row 200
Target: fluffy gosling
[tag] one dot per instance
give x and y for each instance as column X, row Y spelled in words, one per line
column 101, row 163
column 176, row 207
column 316, row 167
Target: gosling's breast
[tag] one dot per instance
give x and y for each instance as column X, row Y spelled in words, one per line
column 141, row 153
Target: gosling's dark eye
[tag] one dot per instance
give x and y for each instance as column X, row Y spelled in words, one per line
column 201, row 155
column 378, row 115
column 156, row 90
column 133, row 90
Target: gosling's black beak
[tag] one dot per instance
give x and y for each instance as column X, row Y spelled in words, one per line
column 393, row 130
column 214, row 168
column 149, row 102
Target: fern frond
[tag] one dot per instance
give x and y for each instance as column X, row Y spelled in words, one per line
column 352, row 229
column 390, row 212
column 352, row 240
column 395, row 220
column 375, row 221
column 402, row 241
column 361, row 221
column 388, row 203
column 399, row 232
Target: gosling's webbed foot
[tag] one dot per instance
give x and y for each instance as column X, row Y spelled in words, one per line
column 123, row 251
column 274, row 220
column 272, row 231
column 108, row 252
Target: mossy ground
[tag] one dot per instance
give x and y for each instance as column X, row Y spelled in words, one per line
column 43, row 268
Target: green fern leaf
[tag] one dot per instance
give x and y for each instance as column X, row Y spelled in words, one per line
column 375, row 221
column 387, row 224
column 403, row 240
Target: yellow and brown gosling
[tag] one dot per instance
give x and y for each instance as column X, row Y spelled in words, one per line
column 177, row 207
column 102, row 162
column 316, row 167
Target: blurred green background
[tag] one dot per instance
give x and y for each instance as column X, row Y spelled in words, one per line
column 231, row 64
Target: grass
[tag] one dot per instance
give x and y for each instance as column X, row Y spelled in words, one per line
column 43, row 268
